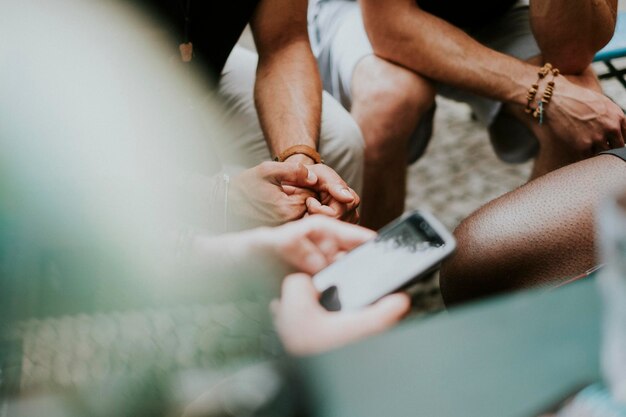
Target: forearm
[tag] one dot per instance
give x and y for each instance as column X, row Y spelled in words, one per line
column 570, row 32
column 437, row 50
column 288, row 96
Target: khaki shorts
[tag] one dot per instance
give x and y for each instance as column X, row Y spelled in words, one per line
column 340, row 144
column 339, row 42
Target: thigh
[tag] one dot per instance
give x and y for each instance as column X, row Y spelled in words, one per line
column 245, row 144
column 341, row 143
column 339, row 42
column 540, row 233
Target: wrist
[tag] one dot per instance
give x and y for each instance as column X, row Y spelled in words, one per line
column 519, row 81
column 300, row 158
column 303, row 150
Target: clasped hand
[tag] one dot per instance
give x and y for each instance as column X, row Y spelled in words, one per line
column 273, row 193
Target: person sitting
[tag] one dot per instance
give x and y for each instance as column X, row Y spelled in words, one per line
column 386, row 61
column 273, row 105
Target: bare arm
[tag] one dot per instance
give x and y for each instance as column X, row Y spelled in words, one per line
column 288, row 96
column 570, row 32
column 403, row 33
column 288, row 91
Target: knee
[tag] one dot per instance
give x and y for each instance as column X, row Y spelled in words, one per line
column 393, row 96
column 390, row 108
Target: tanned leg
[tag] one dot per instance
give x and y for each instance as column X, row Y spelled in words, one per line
column 533, row 236
column 387, row 103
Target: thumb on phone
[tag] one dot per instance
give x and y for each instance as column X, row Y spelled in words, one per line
column 375, row 318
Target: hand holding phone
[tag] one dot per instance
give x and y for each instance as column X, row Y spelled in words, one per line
column 407, row 249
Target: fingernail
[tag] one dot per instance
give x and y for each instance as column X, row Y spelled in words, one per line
column 310, row 177
column 346, row 192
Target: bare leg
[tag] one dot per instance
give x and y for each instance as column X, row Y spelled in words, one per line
column 534, row 235
column 387, row 103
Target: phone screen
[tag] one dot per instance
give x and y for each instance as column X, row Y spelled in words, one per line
column 413, row 235
column 401, row 252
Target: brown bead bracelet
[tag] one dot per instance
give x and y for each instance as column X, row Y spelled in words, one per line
column 539, row 111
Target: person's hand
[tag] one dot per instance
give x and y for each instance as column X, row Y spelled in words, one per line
column 587, row 121
column 335, row 198
column 306, row 245
column 306, row 328
column 257, row 196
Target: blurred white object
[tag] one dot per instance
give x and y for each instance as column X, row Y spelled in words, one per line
column 612, row 281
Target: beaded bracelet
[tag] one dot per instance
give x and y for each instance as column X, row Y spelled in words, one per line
column 539, row 111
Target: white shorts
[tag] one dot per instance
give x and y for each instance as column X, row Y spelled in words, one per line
column 339, row 42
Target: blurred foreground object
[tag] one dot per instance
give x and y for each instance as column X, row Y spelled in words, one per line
column 101, row 310
column 612, row 281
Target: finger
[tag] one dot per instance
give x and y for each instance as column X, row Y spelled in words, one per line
column 292, row 190
column 291, row 173
column 298, row 291
column 377, row 317
column 289, row 189
column 340, row 255
column 357, row 199
column 602, row 144
column 329, row 248
column 346, row 212
column 340, row 209
column 342, row 193
column 623, row 132
column 353, row 217
column 305, row 256
column 616, row 140
column 331, row 182
column 347, row 236
column 315, row 207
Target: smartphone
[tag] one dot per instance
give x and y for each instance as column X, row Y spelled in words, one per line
column 409, row 248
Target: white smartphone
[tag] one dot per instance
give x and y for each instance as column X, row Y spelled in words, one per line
column 405, row 250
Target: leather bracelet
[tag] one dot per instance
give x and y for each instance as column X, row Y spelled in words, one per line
column 299, row 149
